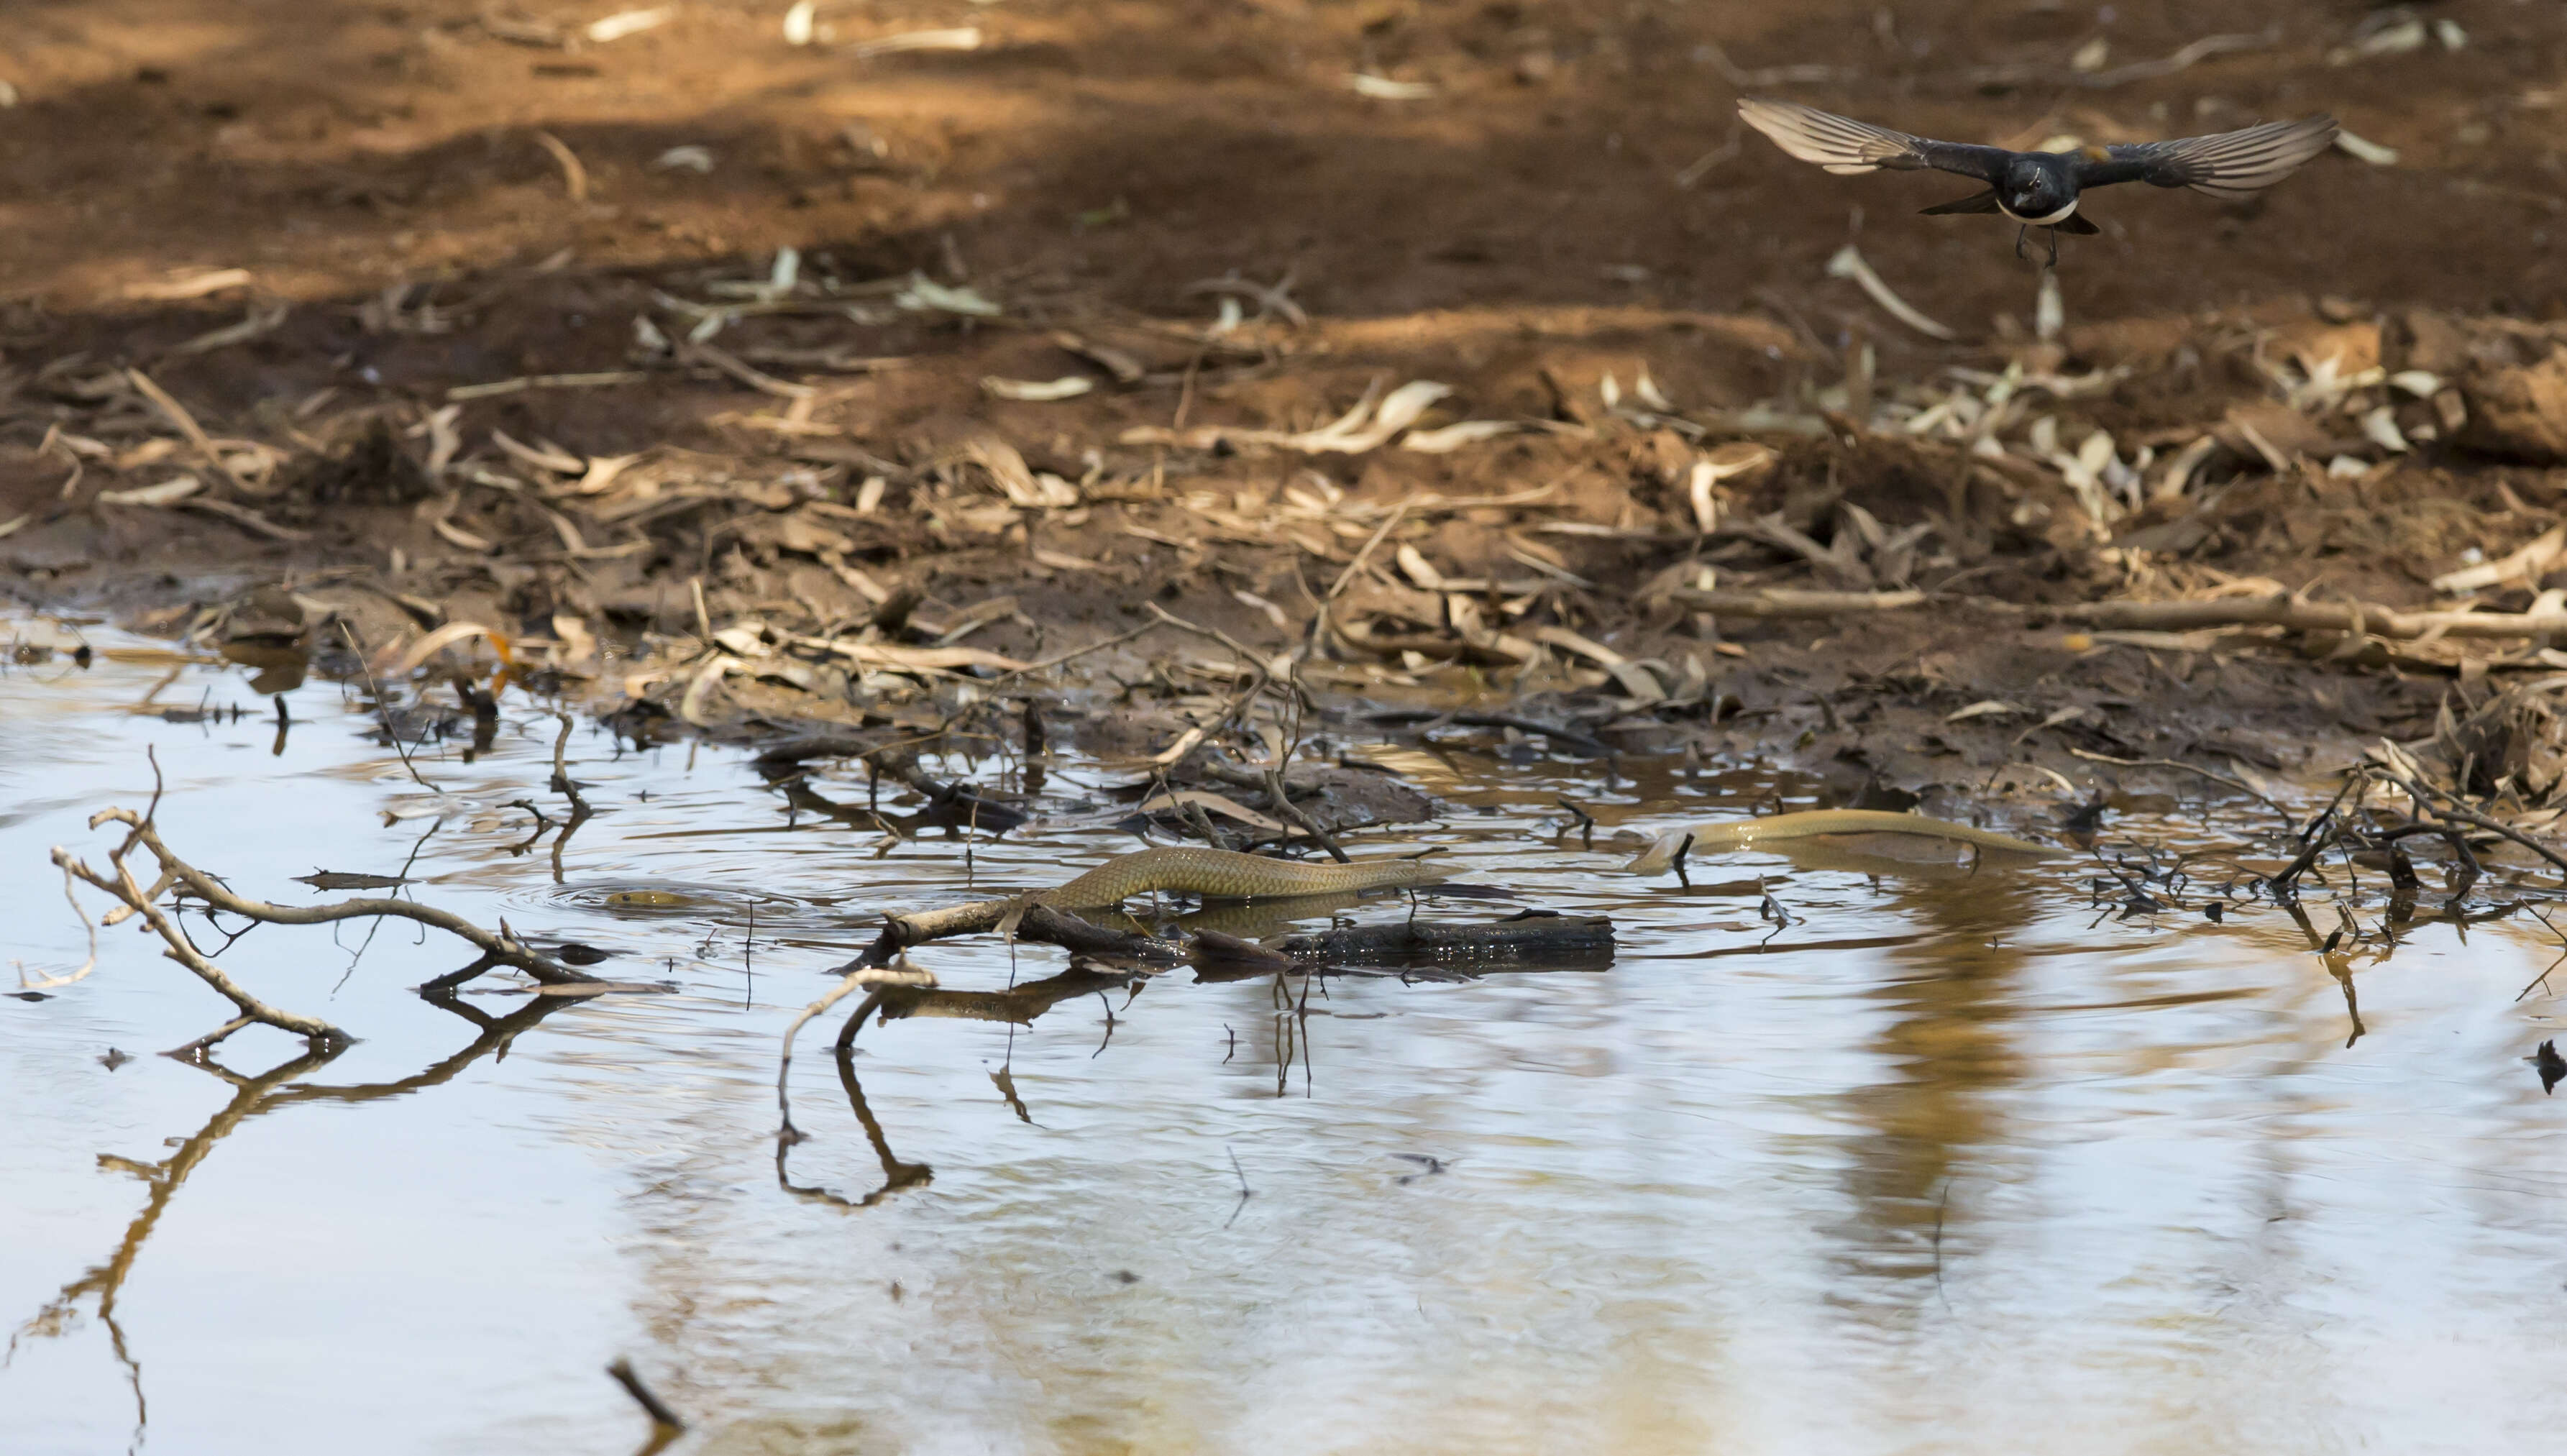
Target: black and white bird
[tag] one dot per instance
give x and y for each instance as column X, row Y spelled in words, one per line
column 2042, row 189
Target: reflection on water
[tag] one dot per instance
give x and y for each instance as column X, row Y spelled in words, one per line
column 897, row 1175
column 1842, row 1153
column 252, row 1097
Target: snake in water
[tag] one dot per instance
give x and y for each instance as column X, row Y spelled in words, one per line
column 1230, row 875
column 1730, row 834
column 1217, row 873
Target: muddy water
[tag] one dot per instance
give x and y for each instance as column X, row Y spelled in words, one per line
column 1946, row 1164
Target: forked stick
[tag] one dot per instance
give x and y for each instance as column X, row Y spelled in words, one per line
column 135, row 897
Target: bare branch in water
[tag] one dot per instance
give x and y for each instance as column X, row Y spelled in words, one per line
column 174, row 873
column 2443, row 804
column 49, row 980
column 384, row 709
column 903, row 973
column 642, row 1396
column 563, row 784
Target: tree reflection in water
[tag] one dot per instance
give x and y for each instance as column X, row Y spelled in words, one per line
column 252, row 1097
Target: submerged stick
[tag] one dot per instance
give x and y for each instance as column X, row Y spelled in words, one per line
column 642, row 1396
column 2442, row 804
column 384, row 709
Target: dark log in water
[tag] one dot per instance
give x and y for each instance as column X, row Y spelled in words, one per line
column 1533, row 938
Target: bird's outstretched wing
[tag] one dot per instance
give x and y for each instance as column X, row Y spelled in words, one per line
column 2227, row 165
column 1843, row 145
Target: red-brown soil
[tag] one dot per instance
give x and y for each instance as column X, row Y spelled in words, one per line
column 1573, row 200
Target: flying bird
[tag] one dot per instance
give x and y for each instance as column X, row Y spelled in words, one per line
column 2042, row 189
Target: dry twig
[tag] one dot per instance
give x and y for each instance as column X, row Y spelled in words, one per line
column 136, row 899
column 865, row 974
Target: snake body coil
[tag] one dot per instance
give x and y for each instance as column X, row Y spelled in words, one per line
column 1730, row 834
column 1221, row 873
column 1229, row 875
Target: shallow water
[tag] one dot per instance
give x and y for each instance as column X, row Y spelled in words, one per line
column 1943, row 1165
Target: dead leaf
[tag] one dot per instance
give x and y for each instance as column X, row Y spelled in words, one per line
column 1382, row 88
column 432, row 644
column 1417, row 568
column 557, row 461
column 1984, row 707
column 1184, row 745
column 1016, row 479
column 1586, row 647
column 882, row 655
column 168, row 492
column 184, row 287
column 578, row 642
column 690, row 706
column 1067, row 387
column 2526, row 564
column 1469, row 431
column 1226, row 807
column 629, row 22
column 957, row 38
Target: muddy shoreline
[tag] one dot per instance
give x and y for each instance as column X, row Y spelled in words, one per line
column 772, row 412
column 1556, row 570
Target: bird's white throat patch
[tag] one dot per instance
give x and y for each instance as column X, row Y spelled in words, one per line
column 2059, row 216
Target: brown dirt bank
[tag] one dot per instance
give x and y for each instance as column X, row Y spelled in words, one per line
column 571, row 396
